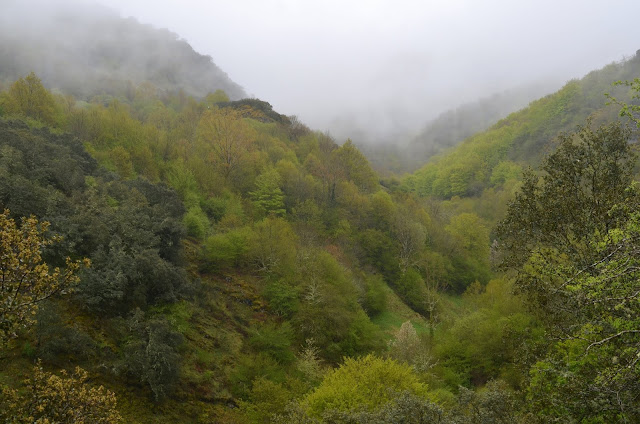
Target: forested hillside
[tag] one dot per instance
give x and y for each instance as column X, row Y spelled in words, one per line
column 450, row 128
column 169, row 258
column 453, row 126
column 490, row 158
column 99, row 53
column 228, row 241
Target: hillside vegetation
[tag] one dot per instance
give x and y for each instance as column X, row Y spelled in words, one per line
column 227, row 240
column 450, row 128
column 167, row 258
column 492, row 157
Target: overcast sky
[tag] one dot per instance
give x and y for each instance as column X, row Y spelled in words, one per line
column 390, row 65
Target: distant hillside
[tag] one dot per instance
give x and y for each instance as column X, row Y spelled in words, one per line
column 87, row 50
column 496, row 155
column 449, row 128
column 455, row 125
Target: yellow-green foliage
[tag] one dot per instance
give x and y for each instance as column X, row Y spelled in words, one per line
column 26, row 280
column 273, row 246
column 228, row 249
column 49, row 398
column 266, row 398
column 196, row 222
column 366, row 383
column 452, row 174
column 28, row 97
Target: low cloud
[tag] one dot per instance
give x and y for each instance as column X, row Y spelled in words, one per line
column 380, row 68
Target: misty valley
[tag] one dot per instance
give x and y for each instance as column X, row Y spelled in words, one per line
column 174, row 250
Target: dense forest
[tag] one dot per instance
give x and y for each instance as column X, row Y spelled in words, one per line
column 169, row 257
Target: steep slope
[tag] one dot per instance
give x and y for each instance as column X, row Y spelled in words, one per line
column 86, row 50
column 496, row 155
column 229, row 245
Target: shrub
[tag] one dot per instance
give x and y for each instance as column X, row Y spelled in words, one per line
column 196, row 222
column 228, row 249
column 375, row 296
column 367, row 383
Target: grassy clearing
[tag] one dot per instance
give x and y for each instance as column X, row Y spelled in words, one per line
column 396, row 313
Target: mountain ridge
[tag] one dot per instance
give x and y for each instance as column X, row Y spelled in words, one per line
column 98, row 52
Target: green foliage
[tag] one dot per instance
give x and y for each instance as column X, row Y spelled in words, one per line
column 629, row 110
column 39, row 169
column 553, row 218
column 410, row 236
column 470, row 250
column 57, row 339
column 356, row 168
column 28, row 97
column 273, row 246
column 131, row 231
column 375, row 296
column 489, row 340
column 461, row 172
column 380, row 252
column 181, row 179
column 26, row 280
column 227, row 139
column 504, row 172
column 119, row 161
column 151, row 355
column 454, row 126
column 282, row 298
column 214, row 207
column 274, row 341
column 404, row 408
column 253, row 367
column 218, row 96
column 229, row 249
column 598, row 359
column 255, row 108
column 297, row 246
column 412, row 290
column 268, row 197
column 329, row 312
column 266, row 398
column 383, row 210
column 494, row 403
column 196, row 222
column 367, row 383
column 134, row 244
column 571, row 237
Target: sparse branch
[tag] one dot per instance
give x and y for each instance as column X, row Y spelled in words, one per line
column 614, row 336
column 631, row 111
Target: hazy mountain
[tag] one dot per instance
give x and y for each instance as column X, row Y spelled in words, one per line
column 406, row 152
column 453, row 126
column 88, row 49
